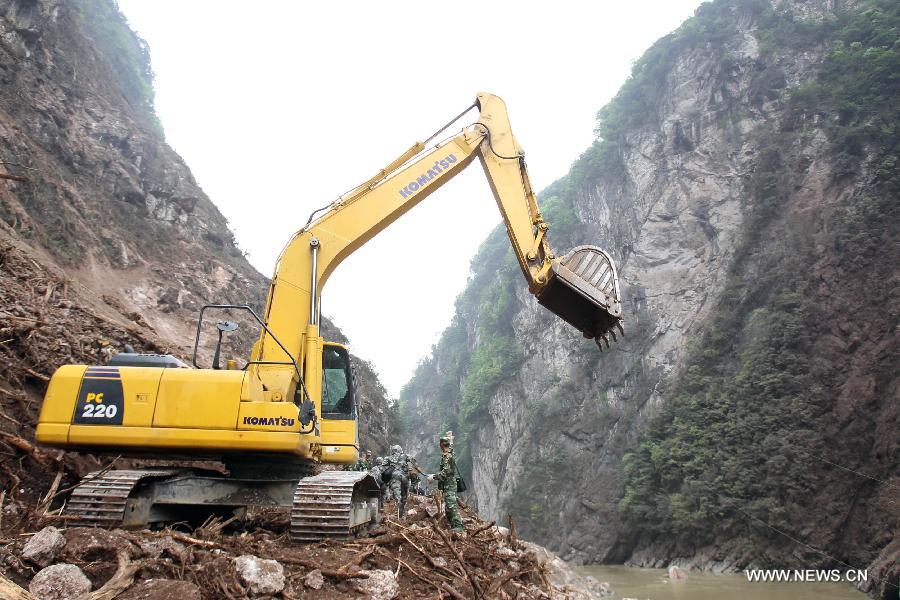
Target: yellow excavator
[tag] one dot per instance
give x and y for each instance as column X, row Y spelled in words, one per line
column 272, row 421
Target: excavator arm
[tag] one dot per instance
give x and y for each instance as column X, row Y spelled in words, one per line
column 581, row 287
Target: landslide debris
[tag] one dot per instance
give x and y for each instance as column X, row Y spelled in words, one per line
column 414, row 558
column 46, row 320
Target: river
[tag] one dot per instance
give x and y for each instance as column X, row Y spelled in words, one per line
column 632, row 582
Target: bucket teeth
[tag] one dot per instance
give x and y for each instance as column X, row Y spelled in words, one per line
column 620, row 328
column 605, row 339
column 599, row 344
column 612, row 333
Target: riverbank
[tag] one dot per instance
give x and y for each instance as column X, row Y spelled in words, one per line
column 654, row 584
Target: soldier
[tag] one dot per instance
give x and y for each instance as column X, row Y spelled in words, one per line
column 446, row 480
column 398, row 486
column 365, row 463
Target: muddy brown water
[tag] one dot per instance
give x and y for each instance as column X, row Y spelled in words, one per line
column 653, row 584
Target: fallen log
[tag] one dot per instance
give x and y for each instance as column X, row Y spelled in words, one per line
column 453, row 593
column 10, row 591
column 337, row 575
column 13, row 177
column 459, row 558
column 383, row 540
column 498, row 583
column 483, row 528
column 431, row 560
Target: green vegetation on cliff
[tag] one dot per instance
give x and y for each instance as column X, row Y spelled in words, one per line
column 731, row 447
column 127, row 54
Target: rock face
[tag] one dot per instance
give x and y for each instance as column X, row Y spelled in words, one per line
column 108, row 240
column 106, row 197
column 725, row 187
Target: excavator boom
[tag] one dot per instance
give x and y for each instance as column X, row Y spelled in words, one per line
column 581, row 287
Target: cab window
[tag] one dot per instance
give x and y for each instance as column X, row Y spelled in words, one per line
column 337, row 386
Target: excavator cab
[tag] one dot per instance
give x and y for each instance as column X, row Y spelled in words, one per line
column 338, row 421
column 584, row 291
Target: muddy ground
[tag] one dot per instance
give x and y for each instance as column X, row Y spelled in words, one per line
column 416, row 557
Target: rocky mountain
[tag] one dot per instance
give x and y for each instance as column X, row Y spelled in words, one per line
column 105, row 236
column 745, row 180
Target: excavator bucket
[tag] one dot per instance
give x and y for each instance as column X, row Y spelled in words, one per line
column 584, row 291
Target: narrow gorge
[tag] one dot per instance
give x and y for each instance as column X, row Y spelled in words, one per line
column 745, row 180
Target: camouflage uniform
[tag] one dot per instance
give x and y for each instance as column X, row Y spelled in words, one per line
column 398, row 486
column 363, row 464
column 446, row 480
column 375, row 472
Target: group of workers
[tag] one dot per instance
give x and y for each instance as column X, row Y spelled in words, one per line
column 398, row 473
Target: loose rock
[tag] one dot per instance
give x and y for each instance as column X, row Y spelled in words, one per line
column 676, row 574
column 380, row 585
column 43, row 546
column 263, row 576
column 314, row 580
column 60, row 582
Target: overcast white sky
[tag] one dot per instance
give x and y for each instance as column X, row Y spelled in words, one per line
column 280, row 106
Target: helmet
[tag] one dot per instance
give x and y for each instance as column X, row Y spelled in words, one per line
column 379, row 461
column 396, row 449
column 444, row 440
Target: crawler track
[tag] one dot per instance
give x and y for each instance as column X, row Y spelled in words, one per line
column 333, row 505
column 101, row 499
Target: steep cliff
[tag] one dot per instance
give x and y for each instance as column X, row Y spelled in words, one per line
column 105, row 236
column 744, row 178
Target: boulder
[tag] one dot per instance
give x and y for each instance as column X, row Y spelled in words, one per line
column 262, row 576
column 314, row 580
column 60, row 582
column 379, row 585
column 162, row 589
column 43, row 546
column 676, row 574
